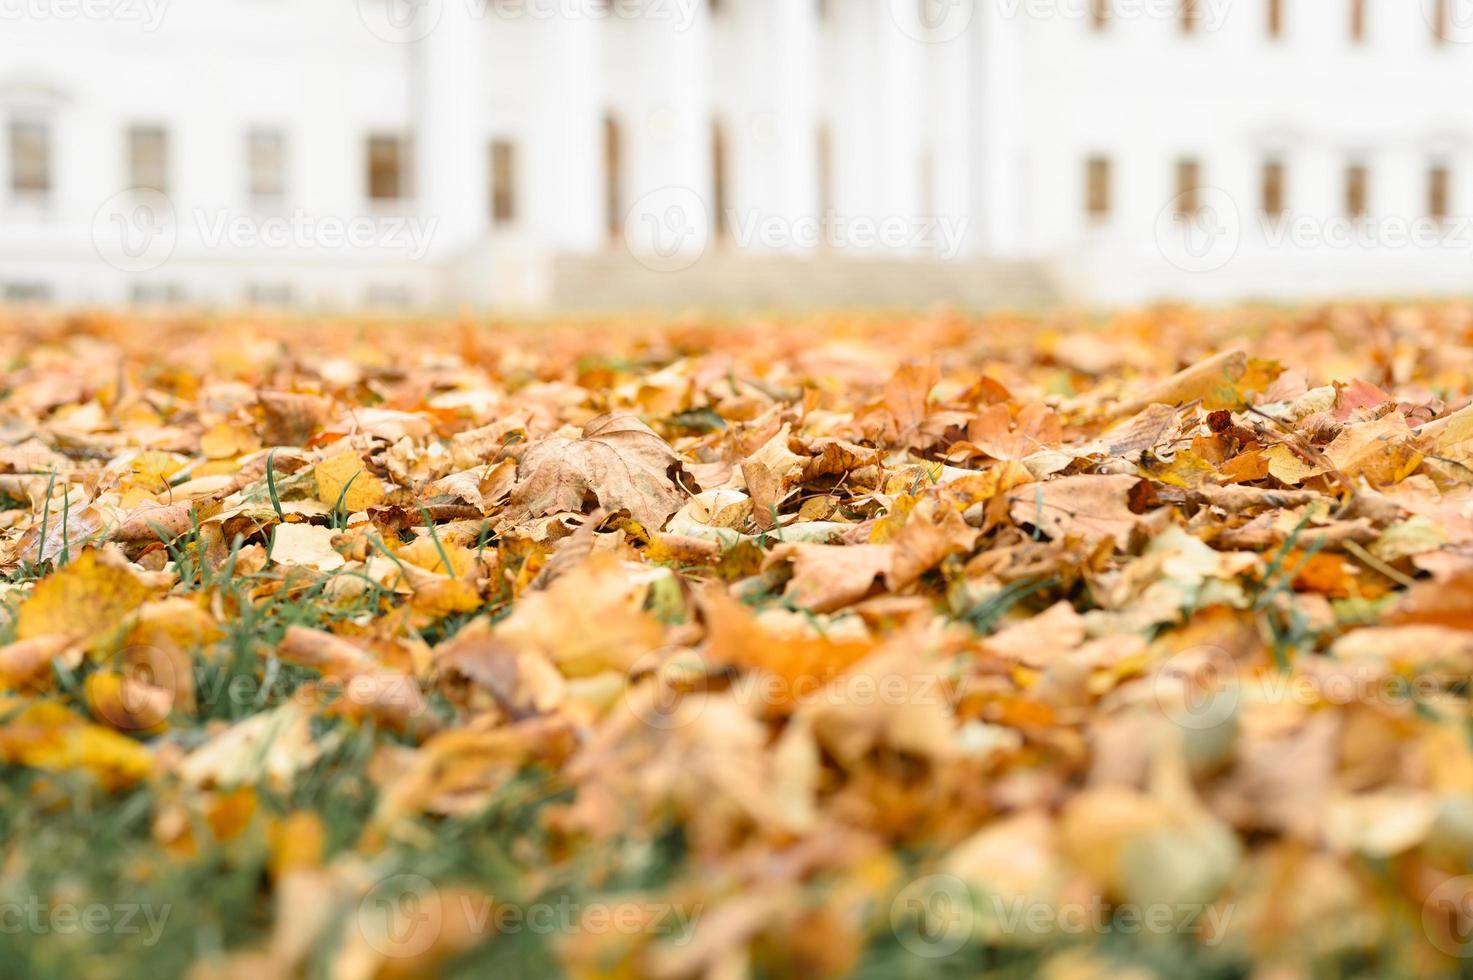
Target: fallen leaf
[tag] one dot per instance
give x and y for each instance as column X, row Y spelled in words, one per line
column 87, row 599
column 1090, row 507
column 617, row 461
column 344, row 477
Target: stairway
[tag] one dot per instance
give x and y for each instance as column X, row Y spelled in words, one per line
column 734, row 281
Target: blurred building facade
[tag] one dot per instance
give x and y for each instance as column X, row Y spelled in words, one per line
column 604, row 153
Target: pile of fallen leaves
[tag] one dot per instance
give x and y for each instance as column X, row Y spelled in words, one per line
column 1055, row 646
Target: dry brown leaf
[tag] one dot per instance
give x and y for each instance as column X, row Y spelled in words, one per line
column 617, row 462
column 829, row 577
column 927, row 539
column 1089, row 507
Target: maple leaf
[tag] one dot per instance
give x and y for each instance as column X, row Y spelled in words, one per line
column 618, row 461
column 907, row 397
column 1383, row 451
column 1000, row 436
column 927, row 538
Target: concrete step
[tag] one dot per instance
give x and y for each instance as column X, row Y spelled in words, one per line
column 729, row 281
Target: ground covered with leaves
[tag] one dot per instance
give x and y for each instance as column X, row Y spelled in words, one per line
column 1059, row 646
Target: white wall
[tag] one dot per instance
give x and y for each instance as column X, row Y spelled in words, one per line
column 982, row 119
column 1143, row 94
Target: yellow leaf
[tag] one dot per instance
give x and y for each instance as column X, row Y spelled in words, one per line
column 438, row 598
column 177, row 620
column 151, row 470
column 225, row 441
column 1285, row 465
column 1187, row 470
column 1383, row 451
column 346, row 470
column 424, row 553
column 589, row 620
column 1214, row 382
column 305, row 544
column 85, row 599
column 128, row 704
column 44, row 735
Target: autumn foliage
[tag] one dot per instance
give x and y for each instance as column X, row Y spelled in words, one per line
column 889, row 645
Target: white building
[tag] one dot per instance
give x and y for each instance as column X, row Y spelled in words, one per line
column 554, row 153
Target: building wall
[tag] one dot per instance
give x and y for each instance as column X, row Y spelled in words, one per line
column 964, row 135
column 1144, row 95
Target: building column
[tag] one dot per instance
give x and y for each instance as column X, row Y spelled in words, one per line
column 956, row 146
column 449, row 140
column 670, row 204
column 681, row 123
column 795, row 102
column 1317, row 178
column 903, row 112
column 572, row 183
column 1003, row 189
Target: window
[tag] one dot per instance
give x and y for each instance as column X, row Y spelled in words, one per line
column 1357, row 188
column 157, row 294
column 1272, row 196
column 1188, row 183
column 1097, row 187
column 503, row 182
column 1358, row 21
column 1189, row 16
column 148, row 158
column 30, row 159
column 388, row 296
column 1099, row 14
column 266, row 161
column 387, row 165
column 26, row 292
column 1275, row 18
column 1439, row 191
column 269, row 295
